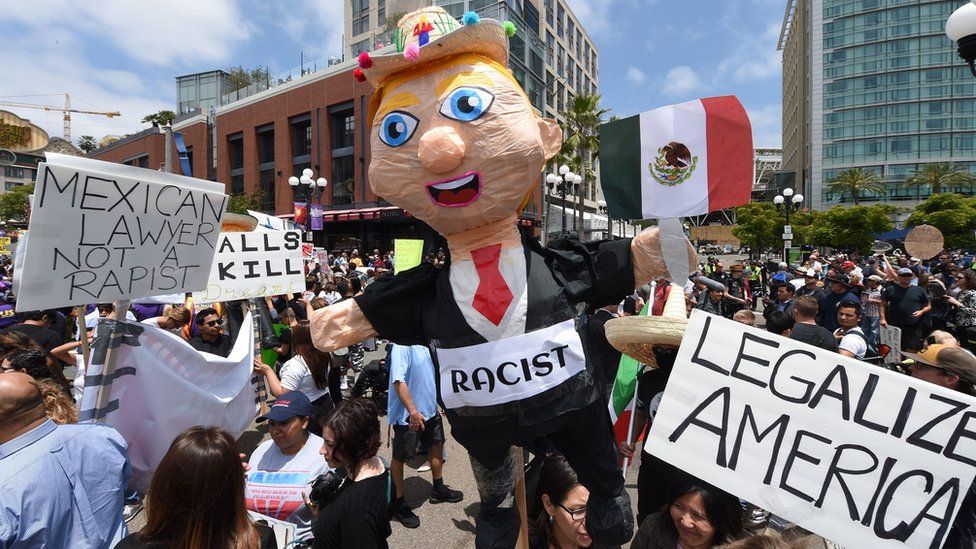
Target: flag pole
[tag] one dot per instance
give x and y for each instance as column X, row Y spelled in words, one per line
column 633, row 401
column 104, row 387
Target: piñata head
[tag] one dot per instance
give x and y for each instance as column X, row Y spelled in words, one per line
column 454, row 138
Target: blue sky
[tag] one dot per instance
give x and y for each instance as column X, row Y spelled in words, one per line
column 124, row 54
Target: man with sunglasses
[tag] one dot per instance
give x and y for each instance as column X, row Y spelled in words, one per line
column 953, row 368
column 903, row 306
column 211, row 338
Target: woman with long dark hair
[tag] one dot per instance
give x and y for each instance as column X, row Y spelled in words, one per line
column 306, row 371
column 699, row 516
column 196, row 498
column 357, row 514
column 557, row 511
column 964, row 313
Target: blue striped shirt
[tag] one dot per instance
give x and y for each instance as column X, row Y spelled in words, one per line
column 63, row 486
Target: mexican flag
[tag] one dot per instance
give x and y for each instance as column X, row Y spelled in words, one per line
column 681, row 160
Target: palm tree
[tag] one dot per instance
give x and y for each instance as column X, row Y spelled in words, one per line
column 581, row 128
column 87, row 143
column 938, row 175
column 854, row 181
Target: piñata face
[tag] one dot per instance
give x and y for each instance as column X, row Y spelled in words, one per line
column 459, row 145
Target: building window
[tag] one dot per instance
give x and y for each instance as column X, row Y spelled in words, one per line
column 139, row 161
column 360, row 47
column 560, row 15
column 11, row 185
column 343, row 180
column 266, row 182
column 237, row 184
column 15, row 172
column 549, row 16
column 360, row 16
column 570, row 32
column 235, row 146
column 560, row 68
column 301, row 137
column 550, row 48
column 343, row 129
column 381, row 13
column 266, row 146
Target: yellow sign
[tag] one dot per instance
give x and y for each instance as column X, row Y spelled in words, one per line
column 20, row 135
column 407, row 254
column 4, row 244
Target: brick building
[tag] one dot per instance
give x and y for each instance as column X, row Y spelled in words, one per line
column 316, row 121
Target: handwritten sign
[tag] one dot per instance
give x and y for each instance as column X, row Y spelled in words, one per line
column 861, row 455
column 891, row 336
column 407, row 254
column 254, row 264
column 102, row 232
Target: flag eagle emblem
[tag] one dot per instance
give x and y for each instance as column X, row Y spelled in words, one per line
column 673, row 165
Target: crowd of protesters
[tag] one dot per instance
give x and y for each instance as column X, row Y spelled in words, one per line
column 320, row 468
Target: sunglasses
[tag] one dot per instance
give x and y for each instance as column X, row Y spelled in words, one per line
column 212, row 323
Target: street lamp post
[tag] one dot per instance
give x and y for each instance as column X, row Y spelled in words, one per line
column 602, row 204
column 961, row 29
column 561, row 182
column 309, row 186
column 788, row 203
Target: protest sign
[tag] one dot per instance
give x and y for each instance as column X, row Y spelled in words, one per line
column 861, row 455
column 268, row 222
column 891, row 336
column 161, row 386
column 254, row 264
column 284, row 532
column 4, row 244
column 407, row 254
column 103, row 232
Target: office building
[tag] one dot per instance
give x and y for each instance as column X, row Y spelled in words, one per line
column 872, row 84
column 203, row 91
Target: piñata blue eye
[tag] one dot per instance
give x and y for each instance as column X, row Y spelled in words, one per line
column 397, row 128
column 467, row 104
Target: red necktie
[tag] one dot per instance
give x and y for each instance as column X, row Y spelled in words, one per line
column 493, row 296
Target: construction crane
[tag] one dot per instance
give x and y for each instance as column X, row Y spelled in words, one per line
column 67, row 110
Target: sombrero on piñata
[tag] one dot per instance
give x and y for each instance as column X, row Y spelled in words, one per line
column 430, row 34
column 637, row 336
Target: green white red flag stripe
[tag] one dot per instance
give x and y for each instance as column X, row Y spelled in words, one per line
column 680, row 160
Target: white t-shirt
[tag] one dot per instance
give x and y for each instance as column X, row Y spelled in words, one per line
column 295, row 376
column 91, row 319
column 853, row 343
column 275, row 482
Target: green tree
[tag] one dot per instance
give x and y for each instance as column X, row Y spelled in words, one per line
column 855, row 181
column 850, row 228
column 240, row 77
column 581, row 128
column 87, row 143
column 938, row 175
column 160, row 118
column 953, row 214
column 13, row 203
column 759, row 225
column 242, row 202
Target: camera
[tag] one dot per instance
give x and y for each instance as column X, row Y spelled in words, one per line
column 326, row 485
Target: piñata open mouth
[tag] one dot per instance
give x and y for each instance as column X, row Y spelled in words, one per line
column 456, row 192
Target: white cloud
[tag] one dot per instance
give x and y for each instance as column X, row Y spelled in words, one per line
column 158, row 33
column 767, row 124
column 314, row 23
column 635, row 75
column 593, row 14
column 754, row 58
column 681, row 80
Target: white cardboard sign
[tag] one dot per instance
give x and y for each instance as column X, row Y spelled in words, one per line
column 861, row 455
column 255, row 264
column 102, row 232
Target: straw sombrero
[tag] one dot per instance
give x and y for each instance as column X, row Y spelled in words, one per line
column 429, row 34
column 637, row 336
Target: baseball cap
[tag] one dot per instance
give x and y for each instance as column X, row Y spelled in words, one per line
column 840, row 278
column 954, row 360
column 778, row 279
column 810, row 273
column 287, row 406
column 876, row 278
column 905, row 271
column 848, row 265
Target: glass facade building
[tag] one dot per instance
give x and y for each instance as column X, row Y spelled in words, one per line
column 201, row 91
column 886, row 93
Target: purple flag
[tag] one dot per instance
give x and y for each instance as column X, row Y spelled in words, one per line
column 316, row 214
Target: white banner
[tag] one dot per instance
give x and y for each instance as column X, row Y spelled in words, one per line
column 102, row 232
column 162, row 386
column 255, row 264
column 891, row 336
column 510, row 369
column 861, row 455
